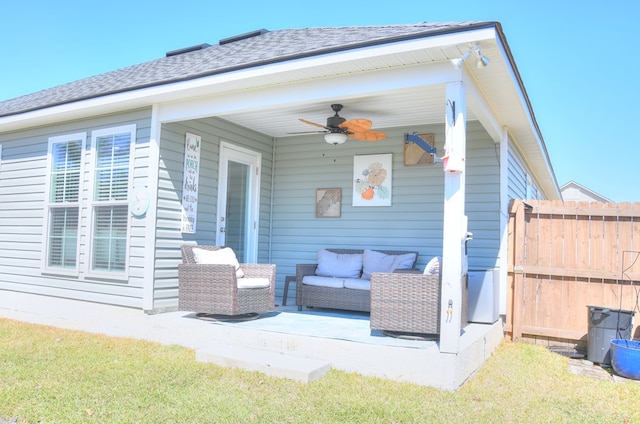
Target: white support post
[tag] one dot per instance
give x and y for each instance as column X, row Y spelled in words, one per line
column 455, row 221
column 503, row 260
column 148, row 285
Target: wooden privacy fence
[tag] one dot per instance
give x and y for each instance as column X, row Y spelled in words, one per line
column 565, row 257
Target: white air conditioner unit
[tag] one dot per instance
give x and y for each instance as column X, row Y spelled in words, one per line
column 484, row 296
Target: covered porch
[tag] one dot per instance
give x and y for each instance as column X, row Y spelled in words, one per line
column 428, row 211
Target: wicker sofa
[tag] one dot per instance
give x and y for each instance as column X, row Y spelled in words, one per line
column 355, row 294
column 224, row 289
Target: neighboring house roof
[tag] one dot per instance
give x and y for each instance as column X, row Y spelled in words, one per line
column 574, row 191
column 303, row 60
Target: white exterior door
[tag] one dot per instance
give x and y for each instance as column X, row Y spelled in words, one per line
column 238, row 201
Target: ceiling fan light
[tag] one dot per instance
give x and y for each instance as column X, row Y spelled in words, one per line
column 335, row 138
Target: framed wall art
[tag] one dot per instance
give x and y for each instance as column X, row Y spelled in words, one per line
column 372, row 180
column 328, row 202
column 415, row 156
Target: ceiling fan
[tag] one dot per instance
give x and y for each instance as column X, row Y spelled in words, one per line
column 339, row 129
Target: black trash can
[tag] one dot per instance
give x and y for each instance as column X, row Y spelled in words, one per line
column 606, row 324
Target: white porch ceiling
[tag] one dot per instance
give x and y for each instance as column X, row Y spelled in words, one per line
column 498, row 85
column 402, row 106
column 397, row 109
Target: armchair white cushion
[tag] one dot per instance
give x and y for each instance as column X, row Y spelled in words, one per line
column 433, row 266
column 224, row 256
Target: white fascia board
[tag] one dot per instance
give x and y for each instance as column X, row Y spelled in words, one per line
column 202, row 86
column 482, row 110
column 387, row 80
column 549, row 183
column 343, row 85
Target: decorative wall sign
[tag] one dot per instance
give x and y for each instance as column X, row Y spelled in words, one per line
column 190, row 178
column 328, row 202
column 415, row 156
column 372, row 180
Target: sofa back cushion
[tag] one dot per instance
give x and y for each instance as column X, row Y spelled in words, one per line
column 374, row 261
column 331, row 264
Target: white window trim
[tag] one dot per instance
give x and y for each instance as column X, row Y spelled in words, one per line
column 44, row 267
column 91, row 203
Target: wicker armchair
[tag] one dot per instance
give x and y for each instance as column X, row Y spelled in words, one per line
column 405, row 303
column 409, row 302
column 212, row 289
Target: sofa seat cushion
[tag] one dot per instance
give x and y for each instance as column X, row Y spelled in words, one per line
column 373, row 261
column 347, row 265
column 253, row 283
column 316, row 280
column 357, row 284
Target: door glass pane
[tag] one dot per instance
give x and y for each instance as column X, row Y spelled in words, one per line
column 237, row 202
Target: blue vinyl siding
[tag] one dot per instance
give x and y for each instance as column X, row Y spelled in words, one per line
column 22, row 214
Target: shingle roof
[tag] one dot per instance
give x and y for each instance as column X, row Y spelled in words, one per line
column 268, row 47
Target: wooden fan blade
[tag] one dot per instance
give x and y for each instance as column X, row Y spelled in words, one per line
column 308, row 132
column 313, row 123
column 356, row 125
column 370, row 135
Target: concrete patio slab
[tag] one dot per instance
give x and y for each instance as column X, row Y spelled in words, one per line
column 425, row 366
column 274, row 364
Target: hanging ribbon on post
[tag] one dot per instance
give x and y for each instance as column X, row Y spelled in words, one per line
column 452, row 159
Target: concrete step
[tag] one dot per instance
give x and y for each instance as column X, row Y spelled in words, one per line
column 274, row 364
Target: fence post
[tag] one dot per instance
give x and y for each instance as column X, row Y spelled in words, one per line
column 518, row 231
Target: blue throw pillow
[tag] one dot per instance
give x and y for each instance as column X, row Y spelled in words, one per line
column 346, row 265
column 373, row 261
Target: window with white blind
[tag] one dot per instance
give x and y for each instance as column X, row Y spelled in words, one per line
column 111, row 176
column 63, row 207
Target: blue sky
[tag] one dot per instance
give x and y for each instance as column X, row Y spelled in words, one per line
column 579, row 60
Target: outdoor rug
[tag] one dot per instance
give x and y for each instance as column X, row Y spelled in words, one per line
column 328, row 324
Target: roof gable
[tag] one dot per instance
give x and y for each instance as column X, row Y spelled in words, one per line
column 574, row 191
column 264, row 48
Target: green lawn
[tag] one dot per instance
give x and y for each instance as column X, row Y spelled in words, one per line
column 49, row 375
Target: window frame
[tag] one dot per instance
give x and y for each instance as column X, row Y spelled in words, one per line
column 50, row 205
column 94, row 204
